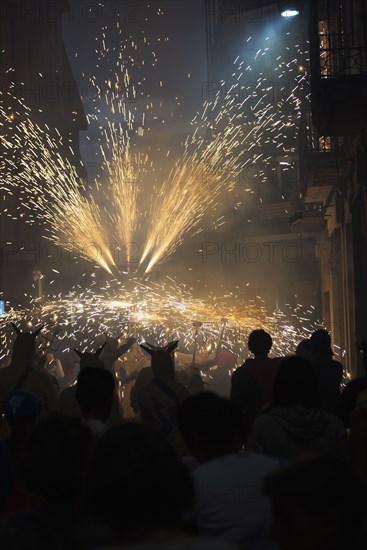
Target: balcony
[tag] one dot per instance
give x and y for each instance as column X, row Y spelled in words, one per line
column 321, row 174
column 338, row 51
column 322, row 163
column 339, row 107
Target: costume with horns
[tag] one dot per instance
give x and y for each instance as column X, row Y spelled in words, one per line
column 159, row 398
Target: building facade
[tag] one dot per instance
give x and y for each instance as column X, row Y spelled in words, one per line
column 338, row 123
column 33, row 66
column 325, row 204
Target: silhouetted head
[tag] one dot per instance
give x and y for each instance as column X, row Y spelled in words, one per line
column 136, row 463
column 88, row 359
column 320, row 342
column 259, row 342
column 24, row 347
column 94, row 392
column 318, row 504
column 211, row 425
column 162, row 365
column 170, row 347
column 162, row 359
column 295, row 384
column 303, row 349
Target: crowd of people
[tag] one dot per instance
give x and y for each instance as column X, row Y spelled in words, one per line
column 269, row 455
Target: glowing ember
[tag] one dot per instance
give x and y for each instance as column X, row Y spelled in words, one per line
column 160, row 312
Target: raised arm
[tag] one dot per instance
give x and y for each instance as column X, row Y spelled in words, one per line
column 125, row 347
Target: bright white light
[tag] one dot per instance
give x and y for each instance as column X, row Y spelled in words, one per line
column 289, row 14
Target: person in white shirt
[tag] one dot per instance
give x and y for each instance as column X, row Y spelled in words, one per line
column 229, row 499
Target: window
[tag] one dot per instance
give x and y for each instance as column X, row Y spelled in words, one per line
column 342, row 37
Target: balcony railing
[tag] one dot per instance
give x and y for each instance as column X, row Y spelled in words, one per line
column 336, row 62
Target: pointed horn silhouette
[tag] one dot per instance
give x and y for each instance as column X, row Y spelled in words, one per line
column 78, row 352
column 152, row 346
column 15, row 328
column 148, row 350
column 98, row 352
column 171, row 346
column 36, row 332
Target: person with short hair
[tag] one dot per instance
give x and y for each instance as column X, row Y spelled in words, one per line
column 137, row 494
column 252, row 383
column 68, row 404
column 229, row 502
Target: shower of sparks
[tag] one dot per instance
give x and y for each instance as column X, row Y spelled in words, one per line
column 237, row 128
column 87, row 235
column 125, row 170
column 157, row 313
column 51, row 190
column 206, row 169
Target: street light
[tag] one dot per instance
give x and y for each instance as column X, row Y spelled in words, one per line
column 290, row 9
column 290, row 13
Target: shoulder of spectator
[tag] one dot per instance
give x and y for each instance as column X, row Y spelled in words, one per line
column 242, row 369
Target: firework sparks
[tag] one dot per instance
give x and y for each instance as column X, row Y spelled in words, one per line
column 228, row 135
column 51, row 188
column 159, row 312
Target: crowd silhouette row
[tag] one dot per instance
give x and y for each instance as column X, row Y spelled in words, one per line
column 138, row 454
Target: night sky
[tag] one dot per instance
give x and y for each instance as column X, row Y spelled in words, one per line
column 180, row 61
